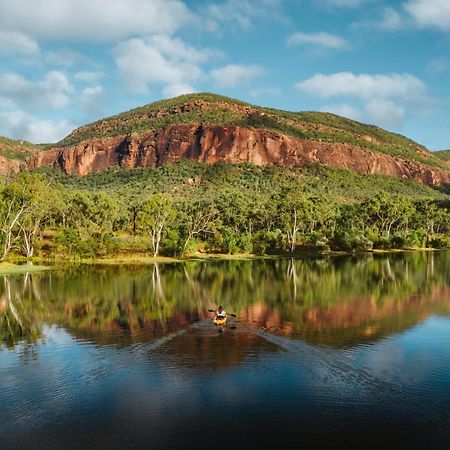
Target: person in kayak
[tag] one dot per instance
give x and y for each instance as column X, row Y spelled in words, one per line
column 221, row 313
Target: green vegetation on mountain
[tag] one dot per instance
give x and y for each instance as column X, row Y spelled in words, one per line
column 188, row 207
column 18, row 150
column 443, row 154
column 212, row 109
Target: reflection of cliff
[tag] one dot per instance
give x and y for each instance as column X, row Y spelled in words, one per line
column 144, row 315
column 132, row 328
column 350, row 322
column 335, row 301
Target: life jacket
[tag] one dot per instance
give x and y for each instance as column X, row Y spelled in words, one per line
column 222, row 314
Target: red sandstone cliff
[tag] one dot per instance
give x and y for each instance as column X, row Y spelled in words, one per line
column 232, row 144
column 8, row 166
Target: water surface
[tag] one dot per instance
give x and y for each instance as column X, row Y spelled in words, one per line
column 325, row 352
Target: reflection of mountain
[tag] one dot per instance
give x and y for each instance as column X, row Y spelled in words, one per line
column 130, row 328
column 335, row 301
column 354, row 321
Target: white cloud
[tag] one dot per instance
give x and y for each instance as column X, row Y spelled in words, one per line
column 52, row 91
column 242, row 13
column 89, row 76
column 343, row 3
column 173, row 90
column 386, row 112
column 19, row 125
column 91, row 98
column 383, row 97
column 430, row 13
column 160, row 60
column 364, row 86
column 438, row 66
column 321, row 39
column 13, row 43
column 235, row 74
column 390, row 20
column 66, row 57
column 87, row 20
column 342, row 109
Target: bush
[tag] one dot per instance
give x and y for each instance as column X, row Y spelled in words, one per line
column 417, row 238
column 351, row 242
column 318, row 241
column 264, row 241
column 440, row 242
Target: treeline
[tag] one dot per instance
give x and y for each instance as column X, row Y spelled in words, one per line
column 271, row 214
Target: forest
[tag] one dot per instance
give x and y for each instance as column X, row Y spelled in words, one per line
column 191, row 208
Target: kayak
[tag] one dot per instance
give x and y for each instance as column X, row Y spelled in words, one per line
column 220, row 320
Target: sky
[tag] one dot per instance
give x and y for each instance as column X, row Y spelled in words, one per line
column 65, row 63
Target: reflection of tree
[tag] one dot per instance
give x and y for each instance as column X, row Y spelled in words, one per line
column 19, row 320
column 335, row 301
column 159, row 294
column 292, row 273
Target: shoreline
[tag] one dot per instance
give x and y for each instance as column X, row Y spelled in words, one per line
column 19, row 265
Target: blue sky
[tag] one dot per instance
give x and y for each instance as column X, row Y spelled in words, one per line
column 64, row 63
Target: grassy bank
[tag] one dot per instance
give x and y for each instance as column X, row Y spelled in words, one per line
column 9, row 268
column 40, row 264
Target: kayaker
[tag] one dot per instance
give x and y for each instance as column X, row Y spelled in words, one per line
column 221, row 312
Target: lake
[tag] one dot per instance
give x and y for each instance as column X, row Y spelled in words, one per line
column 333, row 352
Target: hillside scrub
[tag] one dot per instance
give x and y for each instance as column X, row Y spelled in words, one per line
column 186, row 208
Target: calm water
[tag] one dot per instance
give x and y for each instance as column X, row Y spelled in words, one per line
column 350, row 352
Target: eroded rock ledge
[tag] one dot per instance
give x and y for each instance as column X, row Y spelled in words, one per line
column 211, row 144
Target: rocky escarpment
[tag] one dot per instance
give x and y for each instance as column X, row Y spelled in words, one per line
column 232, row 144
column 8, row 166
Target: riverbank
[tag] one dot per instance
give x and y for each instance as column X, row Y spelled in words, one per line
column 40, row 263
column 9, row 268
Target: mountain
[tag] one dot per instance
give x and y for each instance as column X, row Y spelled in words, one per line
column 211, row 128
column 13, row 154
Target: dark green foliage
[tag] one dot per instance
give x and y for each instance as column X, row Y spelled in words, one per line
column 188, row 207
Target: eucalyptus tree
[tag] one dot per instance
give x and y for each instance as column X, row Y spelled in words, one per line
column 199, row 218
column 156, row 213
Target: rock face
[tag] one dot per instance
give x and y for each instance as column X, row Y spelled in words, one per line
column 211, row 144
column 8, row 166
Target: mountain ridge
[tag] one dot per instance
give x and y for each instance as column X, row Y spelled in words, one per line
column 212, row 128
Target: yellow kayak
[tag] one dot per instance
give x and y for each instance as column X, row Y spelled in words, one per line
column 220, row 320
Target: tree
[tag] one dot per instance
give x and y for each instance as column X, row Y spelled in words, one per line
column 295, row 211
column 16, row 199
column 388, row 212
column 40, row 200
column 156, row 213
column 432, row 218
column 199, row 217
